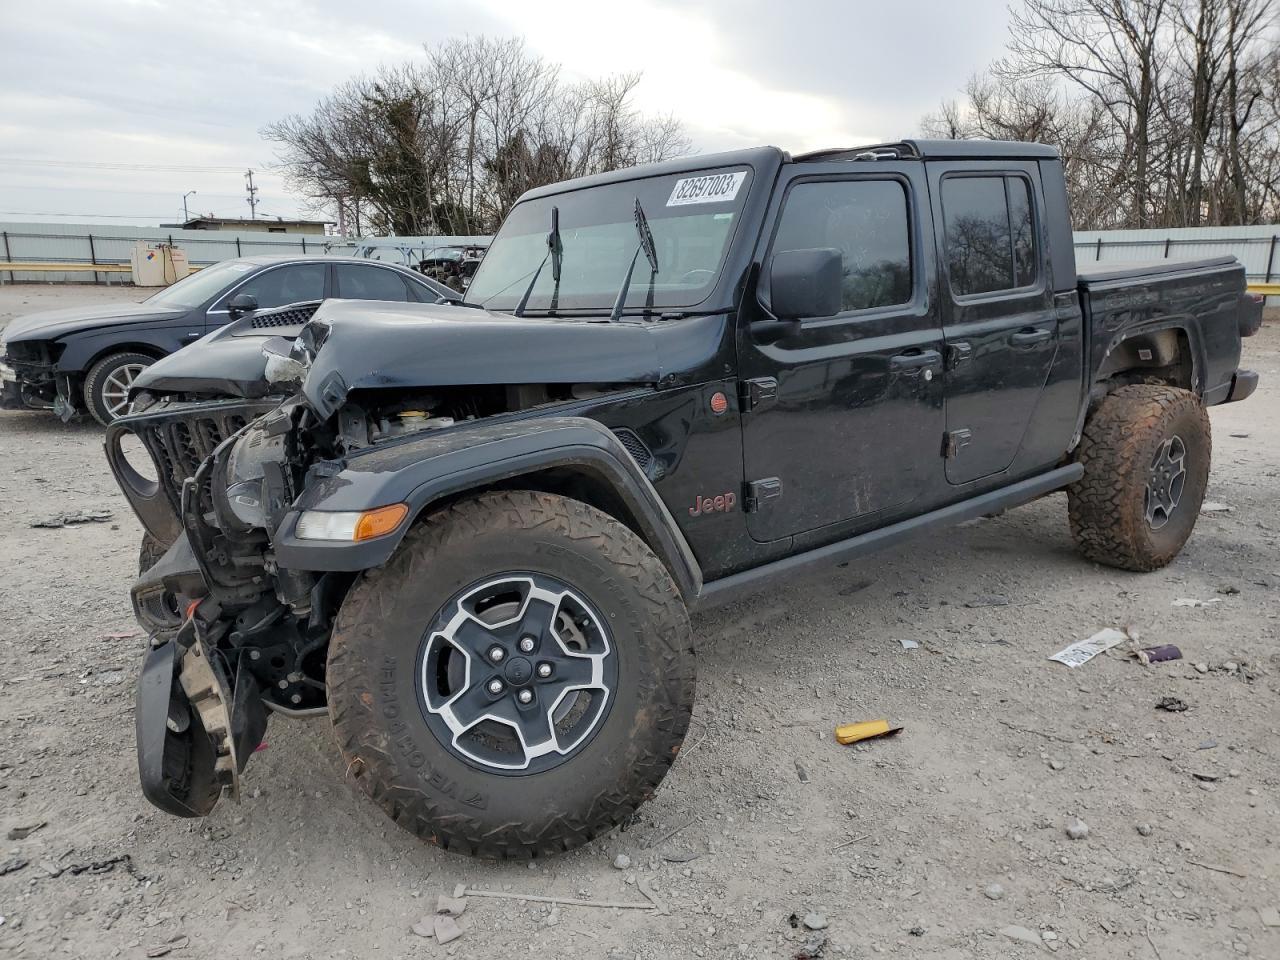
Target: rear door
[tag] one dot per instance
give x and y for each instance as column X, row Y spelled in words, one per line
column 842, row 420
column 358, row 281
column 1000, row 326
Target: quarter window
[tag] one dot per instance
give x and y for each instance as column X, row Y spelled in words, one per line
column 866, row 220
column 990, row 234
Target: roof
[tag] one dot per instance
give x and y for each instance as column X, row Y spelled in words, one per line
column 253, row 220
column 754, row 157
column 264, row 259
column 765, row 157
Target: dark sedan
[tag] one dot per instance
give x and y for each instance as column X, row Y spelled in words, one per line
column 85, row 359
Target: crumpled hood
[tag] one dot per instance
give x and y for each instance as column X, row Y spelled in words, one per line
column 51, row 324
column 387, row 345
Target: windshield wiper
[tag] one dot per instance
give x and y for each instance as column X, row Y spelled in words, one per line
column 650, row 251
column 555, row 252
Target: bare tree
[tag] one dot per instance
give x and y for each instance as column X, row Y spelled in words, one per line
column 449, row 144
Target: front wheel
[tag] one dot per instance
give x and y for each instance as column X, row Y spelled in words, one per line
column 516, row 680
column 1145, row 452
column 107, row 384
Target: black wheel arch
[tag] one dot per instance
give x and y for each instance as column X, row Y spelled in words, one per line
column 575, row 457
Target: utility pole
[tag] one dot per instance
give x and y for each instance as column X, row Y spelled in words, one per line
column 185, row 217
column 252, row 191
column 342, row 218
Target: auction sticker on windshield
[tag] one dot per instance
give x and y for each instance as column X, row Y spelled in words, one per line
column 717, row 188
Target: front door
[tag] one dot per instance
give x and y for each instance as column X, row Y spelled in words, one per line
column 1001, row 329
column 843, row 417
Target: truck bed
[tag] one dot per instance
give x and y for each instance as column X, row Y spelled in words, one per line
column 1203, row 299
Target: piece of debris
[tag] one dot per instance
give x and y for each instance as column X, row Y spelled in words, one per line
column 70, row 519
column 1200, row 667
column 568, row 901
column 865, row 730
column 450, row 906
column 909, row 644
column 1023, row 934
column 1229, row 590
column 447, row 929
column 21, row 833
column 994, row 892
column 815, row 921
column 1270, row 916
column 622, row 862
column 1082, row 651
column 1211, row 506
column 12, row 865
column 426, row 927
column 1171, row 705
column 1077, row 829
column 1205, row 775
column 1206, row 744
column 1227, row 870
column 991, row 600
column 916, row 931
column 1144, row 829
column 813, row 948
column 163, row 949
column 1160, row 654
column 1193, row 602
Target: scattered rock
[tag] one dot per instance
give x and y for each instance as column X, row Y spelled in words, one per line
column 426, row 927
column 163, row 949
column 815, row 921
column 12, row 865
column 1144, row 829
column 801, row 772
column 622, row 862
column 1171, row 705
column 1056, row 764
column 1202, row 668
column 994, row 892
column 916, row 931
column 1077, row 829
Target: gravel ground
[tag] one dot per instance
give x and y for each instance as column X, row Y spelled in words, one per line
column 948, row 841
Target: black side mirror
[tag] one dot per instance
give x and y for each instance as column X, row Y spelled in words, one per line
column 806, row 283
column 241, row 304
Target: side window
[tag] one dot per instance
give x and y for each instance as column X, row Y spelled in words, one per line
column 866, row 220
column 990, row 233
column 292, row 284
column 358, row 282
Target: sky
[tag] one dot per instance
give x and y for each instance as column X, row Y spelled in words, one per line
column 110, row 112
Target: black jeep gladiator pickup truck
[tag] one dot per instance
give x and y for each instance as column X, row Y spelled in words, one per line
column 472, row 533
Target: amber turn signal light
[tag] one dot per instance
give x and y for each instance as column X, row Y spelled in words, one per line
column 376, row 523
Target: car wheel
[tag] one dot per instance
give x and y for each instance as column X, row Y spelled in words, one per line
column 106, row 386
column 1146, row 451
column 516, row 680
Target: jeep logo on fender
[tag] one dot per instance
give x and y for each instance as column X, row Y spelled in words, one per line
column 718, row 504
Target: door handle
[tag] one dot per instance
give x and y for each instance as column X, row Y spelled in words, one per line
column 914, row 359
column 1030, row 336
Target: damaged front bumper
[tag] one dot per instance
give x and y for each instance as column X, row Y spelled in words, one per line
column 196, row 724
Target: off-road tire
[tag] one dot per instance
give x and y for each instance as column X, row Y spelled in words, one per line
column 150, row 552
column 1107, row 505
column 379, row 720
column 96, row 378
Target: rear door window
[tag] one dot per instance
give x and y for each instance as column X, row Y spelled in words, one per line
column 990, row 234
column 358, row 282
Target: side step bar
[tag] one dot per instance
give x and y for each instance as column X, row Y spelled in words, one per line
column 730, row 587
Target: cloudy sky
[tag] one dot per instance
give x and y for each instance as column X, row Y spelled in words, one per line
column 116, row 109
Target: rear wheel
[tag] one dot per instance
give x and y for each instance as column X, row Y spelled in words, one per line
column 516, row 680
column 107, row 384
column 1146, row 452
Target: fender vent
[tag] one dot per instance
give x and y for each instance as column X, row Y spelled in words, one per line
column 635, row 446
column 291, row 316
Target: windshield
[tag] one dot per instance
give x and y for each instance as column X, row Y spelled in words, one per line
column 691, row 216
column 195, row 289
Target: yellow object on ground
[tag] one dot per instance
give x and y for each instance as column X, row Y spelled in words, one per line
column 853, row 732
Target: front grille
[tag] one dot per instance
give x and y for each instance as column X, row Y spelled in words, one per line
column 635, row 446
column 181, row 439
column 294, row 315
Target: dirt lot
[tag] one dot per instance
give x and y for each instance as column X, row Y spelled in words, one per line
column 940, row 842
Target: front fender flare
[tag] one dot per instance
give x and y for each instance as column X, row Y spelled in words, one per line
column 427, row 468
